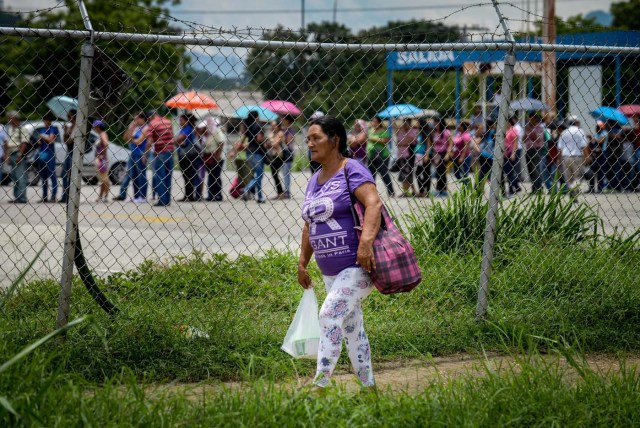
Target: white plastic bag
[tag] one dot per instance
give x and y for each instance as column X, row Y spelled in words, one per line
column 303, row 336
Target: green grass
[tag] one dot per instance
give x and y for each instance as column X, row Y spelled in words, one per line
column 246, row 305
column 541, row 392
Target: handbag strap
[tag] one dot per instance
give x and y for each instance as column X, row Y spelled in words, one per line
column 356, row 219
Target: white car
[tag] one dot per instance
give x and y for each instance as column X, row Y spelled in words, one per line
column 117, row 156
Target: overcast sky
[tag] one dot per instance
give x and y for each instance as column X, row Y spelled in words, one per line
column 250, row 15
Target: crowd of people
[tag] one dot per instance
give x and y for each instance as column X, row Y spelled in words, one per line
column 557, row 156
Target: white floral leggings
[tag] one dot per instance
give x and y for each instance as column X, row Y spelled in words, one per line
column 341, row 317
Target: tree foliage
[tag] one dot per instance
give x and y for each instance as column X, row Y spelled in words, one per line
column 626, row 15
column 349, row 84
column 36, row 69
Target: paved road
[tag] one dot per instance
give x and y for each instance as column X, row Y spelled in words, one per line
column 120, row 235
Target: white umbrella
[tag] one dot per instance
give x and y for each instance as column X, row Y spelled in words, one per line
column 60, row 106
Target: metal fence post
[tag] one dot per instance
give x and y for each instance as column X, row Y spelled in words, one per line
column 73, row 204
column 496, row 173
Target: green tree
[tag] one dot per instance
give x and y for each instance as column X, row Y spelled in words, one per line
column 154, row 68
column 626, row 15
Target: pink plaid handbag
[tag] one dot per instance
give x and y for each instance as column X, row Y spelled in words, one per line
column 397, row 269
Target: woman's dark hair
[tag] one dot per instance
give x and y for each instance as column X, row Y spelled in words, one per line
column 425, row 129
column 142, row 115
column 464, row 125
column 334, row 128
column 49, row 116
column 378, row 118
column 191, row 119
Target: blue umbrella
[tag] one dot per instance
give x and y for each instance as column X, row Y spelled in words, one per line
column 610, row 113
column 397, row 110
column 264, row 114
column 60, row 106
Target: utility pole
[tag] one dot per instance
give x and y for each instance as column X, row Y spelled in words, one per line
column 302, row 16
column 549, row 58
column 335, row 11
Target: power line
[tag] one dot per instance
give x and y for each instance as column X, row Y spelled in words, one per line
column 341, row 10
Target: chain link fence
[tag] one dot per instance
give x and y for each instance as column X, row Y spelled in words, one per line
column 176, row 180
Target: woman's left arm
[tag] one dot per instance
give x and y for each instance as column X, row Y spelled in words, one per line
column 367, row 195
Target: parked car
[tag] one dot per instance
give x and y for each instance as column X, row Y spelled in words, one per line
column 117, row 155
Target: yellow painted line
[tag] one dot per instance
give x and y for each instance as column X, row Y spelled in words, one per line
column 147, row 218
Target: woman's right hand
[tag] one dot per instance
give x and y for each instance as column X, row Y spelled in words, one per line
column 303, row 277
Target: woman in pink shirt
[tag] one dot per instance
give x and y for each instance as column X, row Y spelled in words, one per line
column 462, row 153
column 510, row 159
column 442, row 148
column 407, row 139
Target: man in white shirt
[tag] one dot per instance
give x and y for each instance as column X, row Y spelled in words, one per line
column 572, row 144
column 15, row 147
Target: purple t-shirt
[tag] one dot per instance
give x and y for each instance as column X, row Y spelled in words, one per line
column 327, row 210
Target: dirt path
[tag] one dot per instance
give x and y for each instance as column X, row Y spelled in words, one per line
column 409, row 376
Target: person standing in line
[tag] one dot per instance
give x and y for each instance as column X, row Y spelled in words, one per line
column 69, row 130
column 345, row 260
column 442, row 148
column 424, row 153
column 4, row 137
column 357, row 140
column 378, row 153
column 573, row 149
column 535, row 151
column 289, row 150
column 47, row 137
column 189, row 158
column 275, row 157
column 159, row 135
column 15, row 150
column 518, row 154
column 213, row 140
column 486, row 144
column 255, row 157
column 461, row 153
column 136, row 165
column 407, row 140
column 102, row 160
column 596, row 159
column 510, row 160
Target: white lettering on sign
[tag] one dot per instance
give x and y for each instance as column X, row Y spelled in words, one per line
column 428, row 57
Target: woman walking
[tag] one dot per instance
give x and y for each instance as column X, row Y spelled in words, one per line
column 378, row 152
column 101, row 160
column 213, row 142
column 344, row 259
column 189, row 159
column 442, row 147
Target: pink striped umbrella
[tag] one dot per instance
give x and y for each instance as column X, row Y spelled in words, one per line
column 282, row 107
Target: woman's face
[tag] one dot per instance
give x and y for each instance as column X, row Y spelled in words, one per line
column 183, row 121
column 376, row 122
column 320, row 145
column 140, row 121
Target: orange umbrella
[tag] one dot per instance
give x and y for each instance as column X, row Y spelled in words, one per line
column 191, row 100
